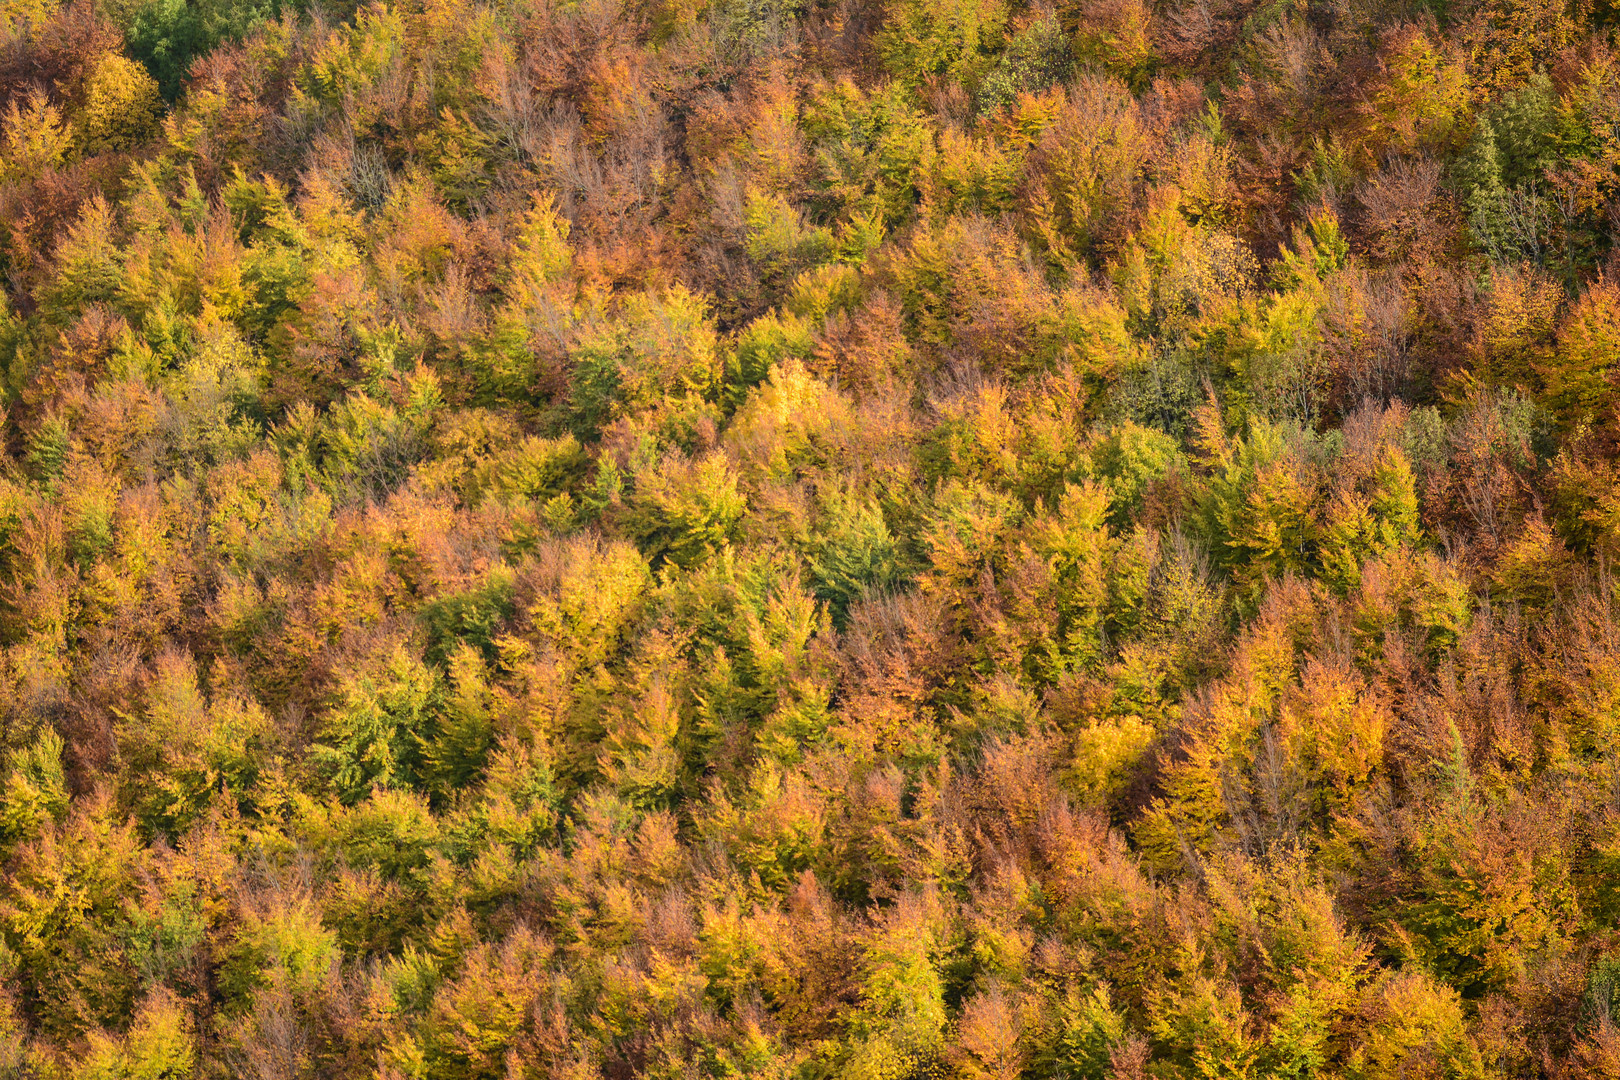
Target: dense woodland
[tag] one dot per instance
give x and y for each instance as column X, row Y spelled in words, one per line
column 809, row 539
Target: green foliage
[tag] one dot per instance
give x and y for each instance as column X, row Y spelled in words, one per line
column 168, row 35
column 1089, row 1030
column 355, row 54
column 855, row 554
column 373, row 733
column 940, row 37
column 184, row 751
column 778, row 238
column 284, row 947
column 659, row 348
column 1131, row 459
column 62, row 915
column 35, row 792
column 470, row 619
column 868, row 149
column 764, row 343
column 1036, row 57
column 684, row 511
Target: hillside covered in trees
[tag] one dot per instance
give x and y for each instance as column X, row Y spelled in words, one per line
column 809, row 539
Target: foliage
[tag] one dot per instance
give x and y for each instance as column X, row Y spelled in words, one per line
column 935, row 538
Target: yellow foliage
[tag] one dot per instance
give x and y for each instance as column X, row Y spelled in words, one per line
column 1514, row 338
column 1117, row 36
column 15, row 14
column 1424, row 100
column 1414, row 1027
column 33, row 137
column 1202, row 171
column 121, row 107
column 159, row 1046
column 1334, row 727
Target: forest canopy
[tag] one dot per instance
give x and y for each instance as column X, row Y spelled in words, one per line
column 809, row 539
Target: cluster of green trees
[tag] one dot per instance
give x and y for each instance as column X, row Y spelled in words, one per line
column 798, row 539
